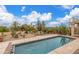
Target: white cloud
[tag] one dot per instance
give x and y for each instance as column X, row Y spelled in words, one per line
column 20, row 20
column 23, row 8
column 34, row 16
column 6, row 18
column 68, row 6
column 65, row 19
column 53, row 24
column 74, row 12
column 46, row 16
column 3, row 9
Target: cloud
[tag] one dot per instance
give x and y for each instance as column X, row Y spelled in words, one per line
column 31, row 17
column 34, row 16
column 5, row 17
column 20, row 20
column 68, row 6
column 74, row 12
column 53, row 24
column 46, row 16
column 67, row 18
column 23, row 8
column 3, row 9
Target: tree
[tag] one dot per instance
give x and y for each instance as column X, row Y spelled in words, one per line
column 64, row 30
column 14, row 28
column 28, row 28
column 2, row 30
column 43, row 27
column 24, row 27
column 52, row 30
column 38, row 25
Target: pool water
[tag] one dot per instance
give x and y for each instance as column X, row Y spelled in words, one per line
column 42, row 46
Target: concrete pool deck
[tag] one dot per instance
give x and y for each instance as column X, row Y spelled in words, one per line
column 5, row 47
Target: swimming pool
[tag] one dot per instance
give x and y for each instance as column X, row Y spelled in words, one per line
column 43, row 46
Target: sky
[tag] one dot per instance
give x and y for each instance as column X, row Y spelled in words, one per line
column 53, row 15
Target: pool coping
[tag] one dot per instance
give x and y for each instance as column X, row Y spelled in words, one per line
column 38, row 38
column 15, row 42
column 45, row 38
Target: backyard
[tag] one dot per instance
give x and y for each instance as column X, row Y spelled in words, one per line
column 38, row 29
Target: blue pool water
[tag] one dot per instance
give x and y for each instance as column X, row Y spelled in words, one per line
column 41, row 46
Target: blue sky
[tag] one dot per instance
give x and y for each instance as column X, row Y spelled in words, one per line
column 56, row 10
column 53, row 15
